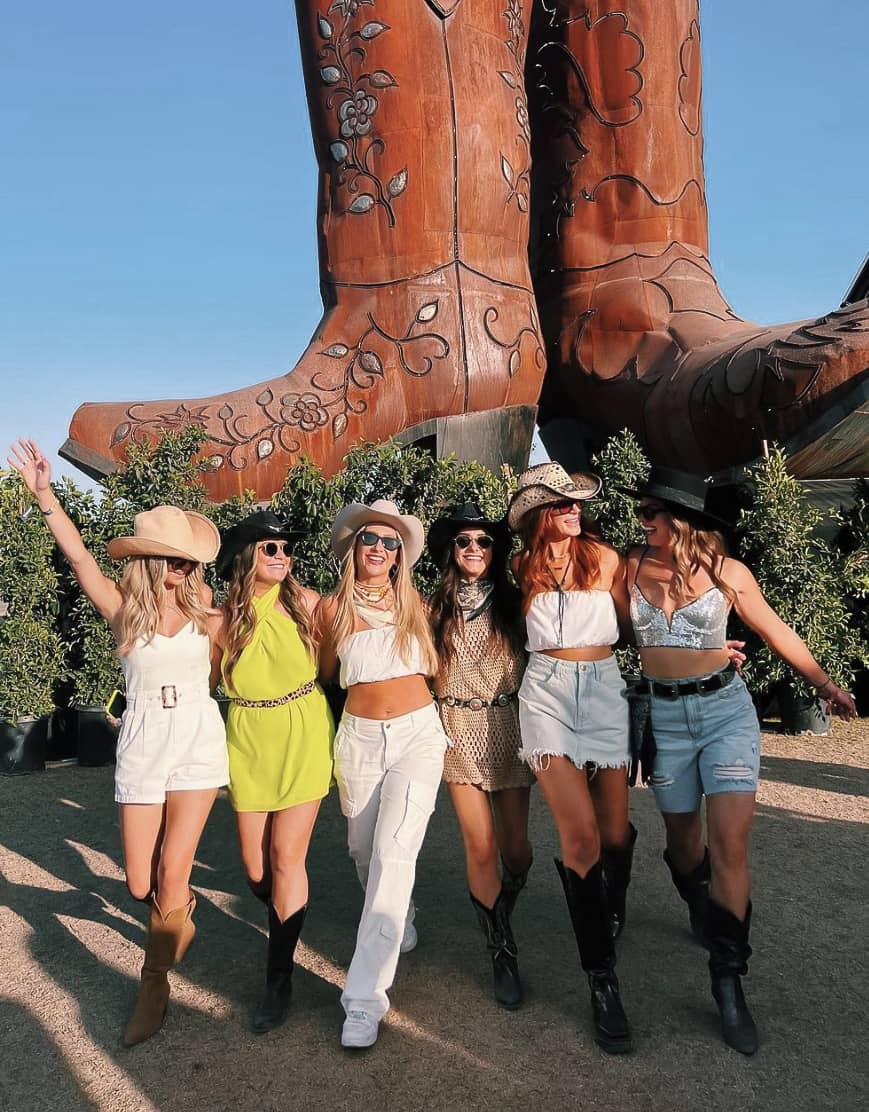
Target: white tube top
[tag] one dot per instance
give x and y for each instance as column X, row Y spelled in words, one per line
column 370, row 655
column 182, row 661
column 588, row 618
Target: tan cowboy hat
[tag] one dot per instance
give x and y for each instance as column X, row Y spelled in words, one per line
column 546, row 484
column 169, row 531
column 357, row 515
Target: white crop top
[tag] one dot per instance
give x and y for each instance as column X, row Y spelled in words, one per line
column 370, row 655
column 571, row 620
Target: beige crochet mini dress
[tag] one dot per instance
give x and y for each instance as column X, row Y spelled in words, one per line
column 485, row 741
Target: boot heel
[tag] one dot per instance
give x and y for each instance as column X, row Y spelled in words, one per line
column 492, row 437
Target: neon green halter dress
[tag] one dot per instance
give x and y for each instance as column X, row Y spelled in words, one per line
column 279, row 756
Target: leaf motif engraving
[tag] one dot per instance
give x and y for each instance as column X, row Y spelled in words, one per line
column 339, row 424
column 382, row 79
column 339, row 151
column 331, row 75
column 398, row 184
column 522, row 202
column 264, row 448
column 363, row 203
column 121, row 432
column 336, row 351
column 507, row 170
column 373, row 29
column 427, row 312
column 508, row 78
column 513, row 364
column 265, row 398
column 371, row 363
column 325, row 27
column 225, row 412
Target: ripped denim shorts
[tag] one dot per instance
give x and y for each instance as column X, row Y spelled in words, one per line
column 575, row 709
column 706, row 744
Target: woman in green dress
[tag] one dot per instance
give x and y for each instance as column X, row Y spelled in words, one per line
column 279, row 733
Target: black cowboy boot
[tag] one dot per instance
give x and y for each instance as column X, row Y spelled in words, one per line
column 512, row 884
column 729, row 952
column 279, row 972
column 693, row 887
column 586, row 902
column 495, row 923
column 616, row 865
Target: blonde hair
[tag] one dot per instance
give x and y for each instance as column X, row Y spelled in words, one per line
column 696, row 549
column 411, row 621
column 241, row 617
column 145, row 600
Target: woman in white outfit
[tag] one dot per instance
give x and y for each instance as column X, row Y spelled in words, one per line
column 390, row 745
column 171, row 755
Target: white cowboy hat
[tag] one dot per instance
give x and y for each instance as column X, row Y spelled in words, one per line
column 169, row 531
column 357, row 515
column 545, row 484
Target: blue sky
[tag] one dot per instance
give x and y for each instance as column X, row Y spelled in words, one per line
column 158, row 189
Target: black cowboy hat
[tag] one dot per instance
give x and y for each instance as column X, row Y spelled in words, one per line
column 467, row 516
column 683, row 491
column 258, row 526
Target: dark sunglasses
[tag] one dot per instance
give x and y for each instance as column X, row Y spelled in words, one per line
column 463, row 541
column 179, row 563
column 564, row 507
column 648, row 513
column 371, row 540
column 272, row 548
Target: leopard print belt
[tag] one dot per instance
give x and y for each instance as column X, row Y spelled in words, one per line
column 262, row 704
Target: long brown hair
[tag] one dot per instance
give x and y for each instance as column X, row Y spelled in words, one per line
column 447, row 620
column 696, row 548
column 241, row 616
column 411, row 623
column 145, row 598
column 534, row 575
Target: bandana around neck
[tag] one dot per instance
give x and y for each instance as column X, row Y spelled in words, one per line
column 474, row 597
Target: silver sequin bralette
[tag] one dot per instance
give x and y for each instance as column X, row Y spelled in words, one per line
column 699, row 624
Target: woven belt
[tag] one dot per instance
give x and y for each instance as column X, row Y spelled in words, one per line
column 262, row 704
column 478, row 704
column 676, row 690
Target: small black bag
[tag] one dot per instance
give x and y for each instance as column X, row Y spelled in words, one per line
column 641, row 740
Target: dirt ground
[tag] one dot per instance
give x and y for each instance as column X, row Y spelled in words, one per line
column 70, row 940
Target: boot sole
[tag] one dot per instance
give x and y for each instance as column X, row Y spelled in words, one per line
column 615, row 1046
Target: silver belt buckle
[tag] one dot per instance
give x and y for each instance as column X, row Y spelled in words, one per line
column 476, row 703
column 169, row 696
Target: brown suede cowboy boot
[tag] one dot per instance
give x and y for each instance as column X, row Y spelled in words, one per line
column 638, row 333
column 169, row 938
column 421, row 135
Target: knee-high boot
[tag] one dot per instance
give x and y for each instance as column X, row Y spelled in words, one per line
column 512, row 884
column 283, row 937
column 693, row 887
column 616, row 865
column 729, row 952
column 495, row 924
column 586, row 902
column 169, row 937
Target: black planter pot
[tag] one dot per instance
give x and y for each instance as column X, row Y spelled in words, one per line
column 23, row 744
column 97, row 737
column 803, row 714
column 62, row 735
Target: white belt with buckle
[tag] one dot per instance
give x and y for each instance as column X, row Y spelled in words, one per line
column 170, row 695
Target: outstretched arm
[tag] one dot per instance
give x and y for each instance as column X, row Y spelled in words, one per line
column 35, row 471
column 758, row 615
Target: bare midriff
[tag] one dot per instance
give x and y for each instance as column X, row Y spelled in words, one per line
column 388, row 698
column 590, row 652
column 677, row 664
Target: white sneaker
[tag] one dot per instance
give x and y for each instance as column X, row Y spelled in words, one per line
column 359, row 1030
column 409, row 939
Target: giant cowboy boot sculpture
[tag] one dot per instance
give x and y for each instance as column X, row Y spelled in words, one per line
column 638, row 333
column 421, row 135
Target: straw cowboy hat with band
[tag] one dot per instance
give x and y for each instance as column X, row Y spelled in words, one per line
column 682, row 491
column 353, row 518
column 259, row 526
column 169, row 531
column 467, row 516
column 545, row 485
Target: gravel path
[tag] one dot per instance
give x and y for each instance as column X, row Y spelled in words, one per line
column 70, row 942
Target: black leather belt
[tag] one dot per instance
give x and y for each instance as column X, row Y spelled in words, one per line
column 478, row 704
column 676, row 690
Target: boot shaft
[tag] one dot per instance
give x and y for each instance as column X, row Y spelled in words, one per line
column 421, row 136
column 586, row 902
column 727, row 938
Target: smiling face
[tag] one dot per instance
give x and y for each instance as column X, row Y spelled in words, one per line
column 655, row 522
column 472, row 551
column 563, row 519
column 177, row 571
column 374, row 561
column 273, row 561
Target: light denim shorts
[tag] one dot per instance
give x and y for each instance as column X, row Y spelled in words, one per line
column 706, row 744
column 575, row 709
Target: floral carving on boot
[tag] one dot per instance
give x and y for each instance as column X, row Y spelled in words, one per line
column 518, row 177
column 352, row 96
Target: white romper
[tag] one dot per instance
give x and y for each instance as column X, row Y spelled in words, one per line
column 172, row 734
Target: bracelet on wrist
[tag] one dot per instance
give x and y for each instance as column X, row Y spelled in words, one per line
column 820, row 687
column 47, row 512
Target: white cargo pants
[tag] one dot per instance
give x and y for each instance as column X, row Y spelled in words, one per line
column 388, row 775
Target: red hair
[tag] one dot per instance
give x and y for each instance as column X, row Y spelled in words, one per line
column 534, row 575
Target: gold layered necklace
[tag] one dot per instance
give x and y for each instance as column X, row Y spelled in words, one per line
column 372, row 594
column 375, row 605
